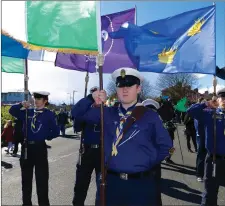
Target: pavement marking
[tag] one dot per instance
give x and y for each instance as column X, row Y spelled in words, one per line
column 50, row 160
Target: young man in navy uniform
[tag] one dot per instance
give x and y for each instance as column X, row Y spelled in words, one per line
column 204, row 113
column 90, row 157
column 154, row 105
column 134, row 141
column 41, row 126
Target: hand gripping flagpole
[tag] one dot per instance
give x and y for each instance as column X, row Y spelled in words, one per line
column 26, row 93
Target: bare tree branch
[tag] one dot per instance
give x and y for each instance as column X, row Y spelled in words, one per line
column 170, row 80
column 176, row 85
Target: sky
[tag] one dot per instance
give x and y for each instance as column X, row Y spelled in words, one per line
column 61, row 82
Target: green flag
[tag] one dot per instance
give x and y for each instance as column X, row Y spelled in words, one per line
column 65, row 26
column 13, row 65
column 181, row 105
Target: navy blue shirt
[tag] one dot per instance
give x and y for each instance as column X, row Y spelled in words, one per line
column 41, row 124
column 144, row 145
column 199, row 128
column 91, row 133
column 205, row 116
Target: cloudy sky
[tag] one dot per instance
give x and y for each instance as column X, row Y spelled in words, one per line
column 61, row 82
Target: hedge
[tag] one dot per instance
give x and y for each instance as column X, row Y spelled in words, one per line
column 5, row 115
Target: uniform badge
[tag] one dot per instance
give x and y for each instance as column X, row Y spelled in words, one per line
column 123, row 73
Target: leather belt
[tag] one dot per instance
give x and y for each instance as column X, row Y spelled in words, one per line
column 218, row 157
column 36, row 142
column 93, row 146
column 125, row 176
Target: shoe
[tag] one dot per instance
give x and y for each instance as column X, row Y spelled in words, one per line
column 7, row 151
column 199, row 179
column 169, row 161
column 14, row 155
column 190, row 150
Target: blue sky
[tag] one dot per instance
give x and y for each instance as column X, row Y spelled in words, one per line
column 154, row 10
column 68, row 80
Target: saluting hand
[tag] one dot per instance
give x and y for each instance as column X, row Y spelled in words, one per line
column 212, row 104
column 26, row 104
column 99, row 96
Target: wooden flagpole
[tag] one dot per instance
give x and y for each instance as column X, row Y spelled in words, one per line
column 99, row 65
column 26, row 97
column 214, row 112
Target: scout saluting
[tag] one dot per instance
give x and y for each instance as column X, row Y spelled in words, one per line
column 41, row 126
column 90, row 157
column 134, row 141
column 203, row 112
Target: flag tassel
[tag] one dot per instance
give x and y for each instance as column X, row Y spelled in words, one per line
column 34, row 47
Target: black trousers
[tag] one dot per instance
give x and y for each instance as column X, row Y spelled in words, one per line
column 200, row 160
column 16, row 143
column 36, row 157
column 158, row 175
column 212, row 184
column 90, row 160
column 171, row 133
column 191, row 136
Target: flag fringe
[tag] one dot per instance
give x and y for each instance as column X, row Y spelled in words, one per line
column 63, row 50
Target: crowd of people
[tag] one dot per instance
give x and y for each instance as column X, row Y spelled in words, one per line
column 138, row 136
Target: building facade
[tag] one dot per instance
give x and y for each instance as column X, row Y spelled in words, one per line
column 13, row 97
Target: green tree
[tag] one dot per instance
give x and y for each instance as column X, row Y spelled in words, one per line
column 5, row 115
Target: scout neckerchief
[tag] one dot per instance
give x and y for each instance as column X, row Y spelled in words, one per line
column 34, row 119
column 120, row 127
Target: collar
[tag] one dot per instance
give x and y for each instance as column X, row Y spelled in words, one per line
column 39, row 110
column 124, row 111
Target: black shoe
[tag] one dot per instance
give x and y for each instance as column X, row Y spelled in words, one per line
column 169, row 161
column 190, row 150
column 49, row 147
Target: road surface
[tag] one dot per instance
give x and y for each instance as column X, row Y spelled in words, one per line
column 179, row 185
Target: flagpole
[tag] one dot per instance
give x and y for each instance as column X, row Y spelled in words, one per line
column 26, row 97
column 214, row 112
column 99, row 64
column 85, row 95
column 86, row 83
column 135, row 17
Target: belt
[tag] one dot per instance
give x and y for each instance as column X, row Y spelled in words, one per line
column 218, row 157
column 95, row 127
column 125, row 176
column 36, row 142
column 93, row 146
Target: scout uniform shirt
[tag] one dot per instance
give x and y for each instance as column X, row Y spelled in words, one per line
column 41, row 124
column 144, row 145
